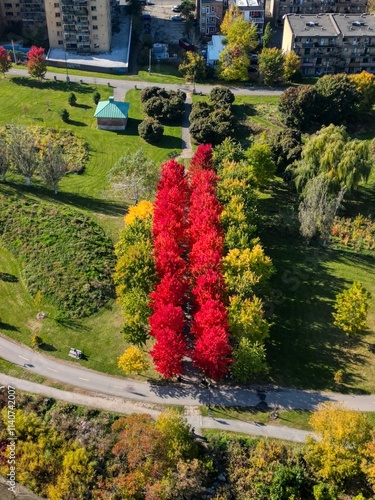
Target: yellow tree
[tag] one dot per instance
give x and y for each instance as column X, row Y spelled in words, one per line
column 143, row 210
column 351, row 308
column 246, row 318
column 342, row 436
column 241, row 32
column 133, row 360
column 233, row 64
column 292, row 65
column 365, row 85
column 76, row 475
column 368, row 463
column 232, row 13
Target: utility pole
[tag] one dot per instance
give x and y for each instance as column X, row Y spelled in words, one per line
column 149, row 62
column 14, row 53
column 66, row 65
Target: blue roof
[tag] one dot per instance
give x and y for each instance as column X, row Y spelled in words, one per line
column 112, row 109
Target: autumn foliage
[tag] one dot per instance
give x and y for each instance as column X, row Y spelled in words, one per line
column 170, row 246
column 210, row 324
column 36, row 64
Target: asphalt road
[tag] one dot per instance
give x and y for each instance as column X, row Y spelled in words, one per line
column 187, row 393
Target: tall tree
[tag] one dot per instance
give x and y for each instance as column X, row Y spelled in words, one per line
column 193, row 67
column 53, row 166
column 233, row 63
column 4, row 160
column 5, row 61
column 231, row 14
column 23, row 151
column 36, row 65
column 267, row 36
column 271, row 66
column 134, row 177
column 292, row 65
column 365, row 84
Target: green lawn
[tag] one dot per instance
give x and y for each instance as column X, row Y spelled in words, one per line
column 304, row 348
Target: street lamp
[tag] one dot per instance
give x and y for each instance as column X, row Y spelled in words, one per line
column 66, row 65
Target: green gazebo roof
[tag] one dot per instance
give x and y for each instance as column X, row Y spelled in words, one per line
column 112, row 109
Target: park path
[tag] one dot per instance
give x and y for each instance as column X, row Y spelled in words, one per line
column 122, row 86
column 190, row 392
column 119, row 405
column 187, row 151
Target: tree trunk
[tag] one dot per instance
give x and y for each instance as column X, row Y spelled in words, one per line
column 3, row 176
column 55, row 189
column 28, row 181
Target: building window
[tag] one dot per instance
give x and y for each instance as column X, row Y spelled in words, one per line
column 58, row 33
column 8, row 5
column 9, row 14
column 96, row 45
column 212, row 9
column 93, row 8
column 203, row 9
column 60, row 42
column 96, row 37
column 57, row 14
column 58, row 24
column 94, row 18
column 56, row 5
column 207, row 10
column 95, row 27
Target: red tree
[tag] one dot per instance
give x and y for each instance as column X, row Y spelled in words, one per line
column 36, row 65
column 170, row 248
column 5, row 61
column 210, row 324
column 202, row 159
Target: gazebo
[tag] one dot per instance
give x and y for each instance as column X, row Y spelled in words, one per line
column 112, row 115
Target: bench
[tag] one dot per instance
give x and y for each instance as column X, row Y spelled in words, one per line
column 75, row 353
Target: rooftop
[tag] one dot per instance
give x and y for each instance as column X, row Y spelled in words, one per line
column 356, row 25
column 112, row 109
column 313, row 25
column 247, row 3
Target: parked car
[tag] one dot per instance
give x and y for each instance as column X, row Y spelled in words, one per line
column 185, row 44
column 176, row 8
column 146, row 17
column 176, row 18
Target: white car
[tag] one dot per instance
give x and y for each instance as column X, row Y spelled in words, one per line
column 176, row 18
column 176, row 8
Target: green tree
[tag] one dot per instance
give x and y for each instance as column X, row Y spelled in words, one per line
column 4, row 159
column 64, row 113
column 96, row 97
column 22, row 151
column 134, row 177
column 299, row 106
column 271, row 65
column 267, row 36
column 187, row 8
column 246, row 271
column 133, row 360
column 292, row 66
column 233, row 64
column 339, row 99
column 221, row 96
column 151, row 130
column 286, row 148
column 351, row 308
column 249, row 360
column 336, row 456
column 261, row 164
column 193, row 67
column 53, row 166
column 330, row 152
column 246, row 319
column 72, row 99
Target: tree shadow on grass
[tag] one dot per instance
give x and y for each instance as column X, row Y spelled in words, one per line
column 8, row 278
column 47, row 347
column 53, row 85
column 9, row 327
column 76, row 123
column 132, row 126
column 82, row 106
column 72, row 324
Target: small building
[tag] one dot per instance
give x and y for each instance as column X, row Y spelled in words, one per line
column 160, row 51
column 253, row 11
column 214, row 48
column 210, row 16
column 112, row 115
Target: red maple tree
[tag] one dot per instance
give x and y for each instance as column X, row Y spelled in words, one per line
column 36, row 64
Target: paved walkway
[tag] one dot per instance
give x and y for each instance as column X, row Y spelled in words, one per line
column 187, row 393
column 187, row 151
column 118, row 405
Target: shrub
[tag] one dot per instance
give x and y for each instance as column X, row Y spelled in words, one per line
column 64, row 113
column 221, row 96
column 36, row 341
column 164, row 104
column 72, row 99
column 151, row 130
column 96, row 97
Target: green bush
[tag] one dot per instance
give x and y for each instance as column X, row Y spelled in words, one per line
column 221, row 96
column 163, row 104
column 151, row 130
column 96, row 97
column 65, row 255
column 36, row 341
column 72, row 99
column 64, row 113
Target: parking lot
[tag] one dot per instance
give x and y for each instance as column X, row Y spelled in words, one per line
column 163, row 29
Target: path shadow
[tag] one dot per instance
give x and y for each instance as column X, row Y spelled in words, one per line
column 8, row 278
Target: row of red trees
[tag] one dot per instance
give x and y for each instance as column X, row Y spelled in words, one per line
column 188, row 248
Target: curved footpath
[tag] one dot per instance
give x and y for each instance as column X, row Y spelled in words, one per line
column 187, row 393
column 122, row 86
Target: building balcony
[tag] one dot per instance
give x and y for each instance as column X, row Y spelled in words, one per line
column 66, row 2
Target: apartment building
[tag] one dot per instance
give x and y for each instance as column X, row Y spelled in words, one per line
column 22, row 15
column 331, row 43
column 80, row 26
column 211, row 16
column 279, row 8
column 253, row 11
